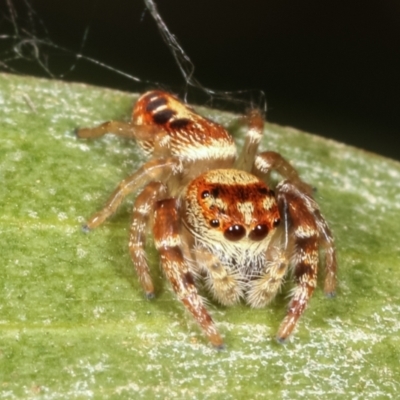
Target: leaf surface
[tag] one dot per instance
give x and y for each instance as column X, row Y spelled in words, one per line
column 73, row 320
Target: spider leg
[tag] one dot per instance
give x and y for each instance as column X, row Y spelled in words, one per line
column 253, row 137
column 143, row 207
column 263, row 289
column 168, row 243
column 304, row 233
column 222, row 282
column 269, row 161
column 154, row 170
column 152, row 139
column 328, row 244
column 123, row 129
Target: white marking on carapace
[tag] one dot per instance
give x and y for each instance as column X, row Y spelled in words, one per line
column 246, row 209
column 230, row 177
column 269, row 202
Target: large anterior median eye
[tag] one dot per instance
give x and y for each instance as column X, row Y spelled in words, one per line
column 259, row 232
column 235, row 232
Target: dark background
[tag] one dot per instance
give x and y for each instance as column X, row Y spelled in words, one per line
column 330, row 68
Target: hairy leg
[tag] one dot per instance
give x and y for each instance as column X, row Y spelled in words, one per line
column 123, row 129
column 253, row 137
column 222, row 283
column 142, row 211
column 269, row 161
column 152, row 139
column 154, row 170
column 263, row 289
column 168, row 243
column 299, row 209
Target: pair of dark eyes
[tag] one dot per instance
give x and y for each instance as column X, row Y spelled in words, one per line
column 236, row 232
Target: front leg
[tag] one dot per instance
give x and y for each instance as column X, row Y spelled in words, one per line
column 224, row 285
column 306, row 230
column 264, row 288
column 168, row 243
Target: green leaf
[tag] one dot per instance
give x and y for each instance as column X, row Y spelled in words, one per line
column 74, row 323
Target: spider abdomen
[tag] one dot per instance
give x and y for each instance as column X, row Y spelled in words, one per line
column 187, row 135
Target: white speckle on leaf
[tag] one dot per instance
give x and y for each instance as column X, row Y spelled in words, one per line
column 33, row 214
column 62, row 216
column 80, row 252
column 98, row 311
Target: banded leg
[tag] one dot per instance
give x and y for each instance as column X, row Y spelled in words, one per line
column 154, row 170
column 300, row 210
column 142, row 209
column 269, row 161
column 253, row 137
column 263, row 289
column 223, row 284
column 168, row 243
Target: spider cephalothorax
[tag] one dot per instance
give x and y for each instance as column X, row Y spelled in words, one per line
column 213, row 215
column 235, row 203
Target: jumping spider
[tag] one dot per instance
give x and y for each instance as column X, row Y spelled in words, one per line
column 212, row 214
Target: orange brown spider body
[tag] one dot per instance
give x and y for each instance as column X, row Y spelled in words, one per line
column 213, row 215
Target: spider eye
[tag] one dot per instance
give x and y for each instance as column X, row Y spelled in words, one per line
column 205, row 194
column 215, row 192
column 259, row 232
column 263, row 190
column 235, row 232
column 214, row 223
column 276, row 222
